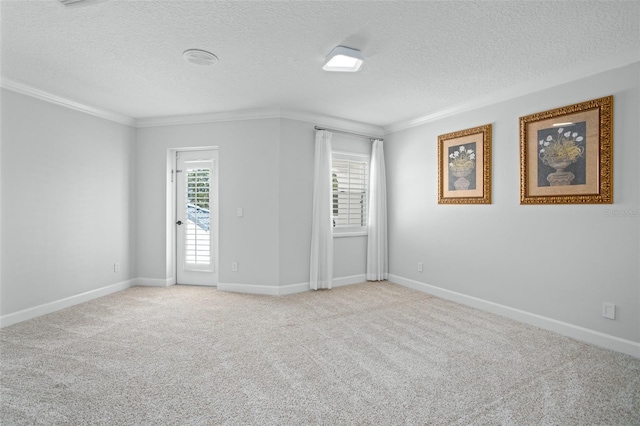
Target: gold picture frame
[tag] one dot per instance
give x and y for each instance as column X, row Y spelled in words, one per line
column 464, row 166
column 566, row 154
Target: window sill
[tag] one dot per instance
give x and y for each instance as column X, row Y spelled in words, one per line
column 350, row 234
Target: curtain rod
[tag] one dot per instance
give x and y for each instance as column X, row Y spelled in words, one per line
column 347, row 133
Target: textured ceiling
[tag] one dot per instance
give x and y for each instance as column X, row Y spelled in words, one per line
column 420, row 57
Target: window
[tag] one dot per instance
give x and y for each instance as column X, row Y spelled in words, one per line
column 350, row 177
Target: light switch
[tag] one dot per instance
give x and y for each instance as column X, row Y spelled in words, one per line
column 240, row 212
column 609, row 310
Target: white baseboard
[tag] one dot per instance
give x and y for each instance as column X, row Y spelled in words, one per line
column 287, row 288
column 270, row 290
column 154, row 282
column 47, row 308
column 353, row 279
column 294, row 288
column 590, row 336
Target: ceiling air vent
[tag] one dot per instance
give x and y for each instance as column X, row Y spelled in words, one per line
column 77, row 3
column 199, row 57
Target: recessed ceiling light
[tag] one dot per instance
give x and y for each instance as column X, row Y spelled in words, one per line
column 343, row 59
column 199, row 57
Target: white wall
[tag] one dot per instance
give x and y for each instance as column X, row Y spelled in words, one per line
column 266, row 167
column 248, row 178
column 68, row 202
column 560, row 262
column 297, row 148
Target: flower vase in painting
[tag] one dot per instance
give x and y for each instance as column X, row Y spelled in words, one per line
column 559, row 150
column 462, row 162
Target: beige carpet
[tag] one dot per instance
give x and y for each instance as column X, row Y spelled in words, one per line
column 373, row 353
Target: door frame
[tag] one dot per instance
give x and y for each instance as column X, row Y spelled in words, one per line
column 171, row 258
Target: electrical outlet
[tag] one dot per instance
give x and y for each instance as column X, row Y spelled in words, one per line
column 608, row 310
column 239, row 212
column 420, row 266
column 116, row 267
column 234, row 266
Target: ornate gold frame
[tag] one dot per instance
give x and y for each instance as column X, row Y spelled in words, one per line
column 482, row 195
column 598, row 187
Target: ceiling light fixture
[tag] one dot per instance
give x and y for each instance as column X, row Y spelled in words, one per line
column 343, row 59
column 199, row 57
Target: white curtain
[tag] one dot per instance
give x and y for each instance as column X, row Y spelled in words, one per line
column 377, row 255
column 321, row 268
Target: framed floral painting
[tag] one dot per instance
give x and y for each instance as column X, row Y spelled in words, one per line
column 464, row 166
column 566, row 154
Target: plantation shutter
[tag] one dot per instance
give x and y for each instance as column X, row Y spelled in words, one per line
column 197, row 235
column 349, row 193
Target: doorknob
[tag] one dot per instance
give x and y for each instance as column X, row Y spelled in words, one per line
column 179, row 222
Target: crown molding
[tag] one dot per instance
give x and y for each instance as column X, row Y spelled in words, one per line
column 563, row 77
column 264, row 113
column 216, row 117
column 24, row 89
column 213, row 117
column 335, row 123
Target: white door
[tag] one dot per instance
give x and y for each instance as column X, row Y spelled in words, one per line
column 197, row 217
